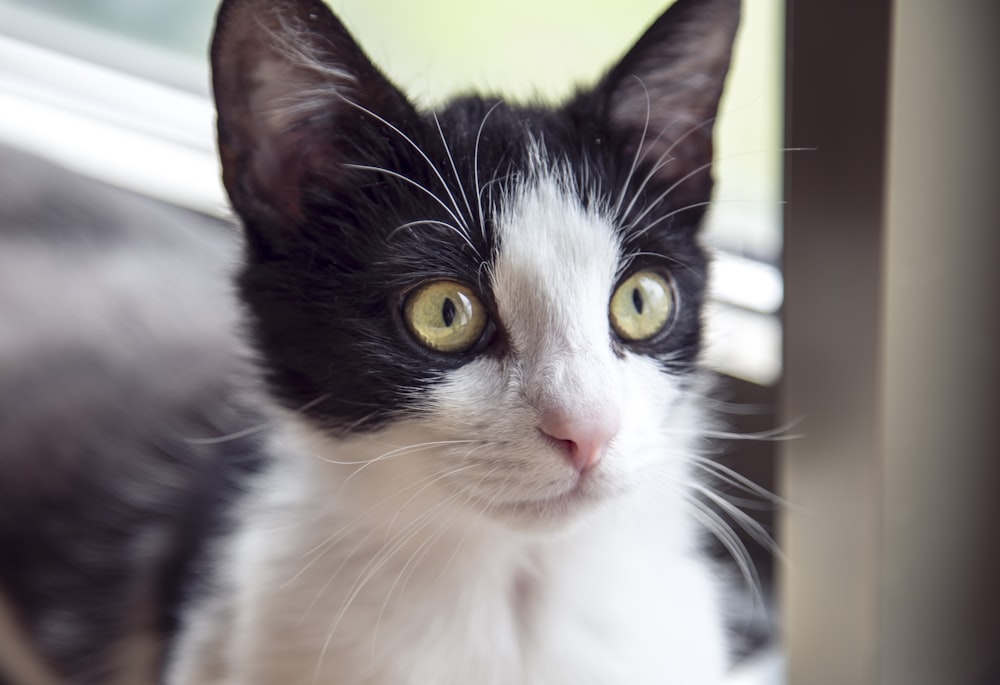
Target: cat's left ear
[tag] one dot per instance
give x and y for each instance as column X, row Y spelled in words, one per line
column 661, row 99
column 297, row 99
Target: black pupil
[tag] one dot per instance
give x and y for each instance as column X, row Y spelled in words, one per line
column 448, row 312
column 637, row 300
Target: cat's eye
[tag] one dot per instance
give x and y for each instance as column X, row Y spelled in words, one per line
column 642, row 306
column 445, row 316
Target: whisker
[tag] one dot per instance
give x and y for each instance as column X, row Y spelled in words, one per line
column 377, row 562
column 454, row 167
column 428, row 222
column 322, row 548
column 252, row 429
column 630, row 257
column 753, row 528
column 393, row 453
column 635, row 159
column 406, row 572
column 716, row 525
column 482, row 512
column 659, row 199
column 420, row 152
column 409, row 449
column 405, row 179
column 648, row 227
column 778, row 434
column 475, row 166
column 662, row 196
column 662, row 161
column 229, row 436
column 433, row 481
column 738, row 480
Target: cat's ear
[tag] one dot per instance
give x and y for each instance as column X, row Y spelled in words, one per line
column 296, row 98
column 663, row 96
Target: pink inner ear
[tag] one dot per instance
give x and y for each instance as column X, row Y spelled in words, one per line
column 271, row 120
column 282, row 72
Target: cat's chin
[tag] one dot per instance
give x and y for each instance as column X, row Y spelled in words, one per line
column 556, row 513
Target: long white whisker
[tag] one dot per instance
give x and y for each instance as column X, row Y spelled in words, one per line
column 697, row 170
column 475, row 167
column 656, row 202
column 454, row 167
column 648, row 227
column 405, row 179
column 635, row 158
column 215, row 440
column 406, row 572
column 746, row 522
column 429, row 484
column 420, row 152
column 716, row 525
column 429, row 222
column 229, row 436
column 465, row 534
column 771, row 435
column 662, row 161
column 632, row 255
column 319, row 550
column 405, row 449
column 388, row 551
column 398, row 452
column 737, row 480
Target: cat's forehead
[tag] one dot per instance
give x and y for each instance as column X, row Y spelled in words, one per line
column 556, row 260
column 504, row 142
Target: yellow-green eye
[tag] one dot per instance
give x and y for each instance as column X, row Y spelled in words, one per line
column 445, row 316
column 641, row 306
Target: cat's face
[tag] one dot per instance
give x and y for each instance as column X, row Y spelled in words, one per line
column 508, row 297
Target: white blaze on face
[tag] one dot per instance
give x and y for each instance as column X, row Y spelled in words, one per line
column 552, row 279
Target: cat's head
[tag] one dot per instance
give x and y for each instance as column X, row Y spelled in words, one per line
column 518, row 289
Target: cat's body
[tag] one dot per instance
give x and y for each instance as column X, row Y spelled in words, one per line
column 478, row 330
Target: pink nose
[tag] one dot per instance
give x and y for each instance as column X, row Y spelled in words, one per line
column 585, row 438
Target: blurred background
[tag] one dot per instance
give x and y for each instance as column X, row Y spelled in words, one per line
column 880, row 223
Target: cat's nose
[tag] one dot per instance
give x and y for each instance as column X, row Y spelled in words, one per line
column 584, row 438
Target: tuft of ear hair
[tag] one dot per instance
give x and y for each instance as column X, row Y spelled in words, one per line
column 290, row 83
column 663, row 95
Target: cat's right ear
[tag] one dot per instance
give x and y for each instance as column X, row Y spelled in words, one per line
column 296, row 99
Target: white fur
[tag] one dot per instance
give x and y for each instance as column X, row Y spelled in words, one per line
column 462, row 547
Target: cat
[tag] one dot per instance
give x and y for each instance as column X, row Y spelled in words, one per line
column 480, row 326
column 476, row 334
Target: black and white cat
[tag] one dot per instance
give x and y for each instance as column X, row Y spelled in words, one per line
column 478, row 329
column 480, row 326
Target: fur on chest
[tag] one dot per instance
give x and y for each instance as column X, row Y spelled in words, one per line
column 431, row 595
